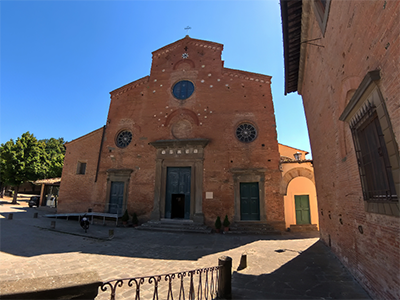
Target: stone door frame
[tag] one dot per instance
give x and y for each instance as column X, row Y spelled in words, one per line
column 179, row 153
column 122, row 175
column 245, row 176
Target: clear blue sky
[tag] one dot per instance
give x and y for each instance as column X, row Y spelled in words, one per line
column 60, row 59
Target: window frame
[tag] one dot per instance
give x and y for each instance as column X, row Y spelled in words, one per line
column 367, row 104
column 81, row 168
column 321, row 13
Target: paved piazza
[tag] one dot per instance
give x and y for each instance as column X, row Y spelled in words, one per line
column 305, row 269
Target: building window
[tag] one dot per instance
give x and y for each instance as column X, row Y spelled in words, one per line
column 123, row 139
column 81, row 168
column 246, row 132
column 375, row 147
column 183, row 89
column 372, row 156
column 321, row 11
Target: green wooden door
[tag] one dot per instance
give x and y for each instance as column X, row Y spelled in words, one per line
column 302, row 204
column 249, row 201
column 116, row 197
column 178, row 187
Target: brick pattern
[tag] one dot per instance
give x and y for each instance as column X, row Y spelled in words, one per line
column 361, row 36
column 223, row 98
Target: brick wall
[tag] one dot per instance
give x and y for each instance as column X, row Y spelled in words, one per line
column 223, row 98
column 361, row 36
column 77, row 190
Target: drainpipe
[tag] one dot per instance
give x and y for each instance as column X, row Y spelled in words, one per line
column 101, row 148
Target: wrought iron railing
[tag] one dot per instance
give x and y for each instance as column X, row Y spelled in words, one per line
column 195, row 284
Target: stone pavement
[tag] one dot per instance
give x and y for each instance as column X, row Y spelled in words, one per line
column 302, row 268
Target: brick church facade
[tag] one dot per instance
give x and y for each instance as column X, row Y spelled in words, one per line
column 193, row 140
column 342, row 57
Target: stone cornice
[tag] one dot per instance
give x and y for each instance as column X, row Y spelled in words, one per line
column 129, row 86
column 179, row 143
column 188, row 41
column 246, row 75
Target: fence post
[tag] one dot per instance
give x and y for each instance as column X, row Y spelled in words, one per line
column 225, row 278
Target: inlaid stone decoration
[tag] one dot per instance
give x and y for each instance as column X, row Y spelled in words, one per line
column 181, row 129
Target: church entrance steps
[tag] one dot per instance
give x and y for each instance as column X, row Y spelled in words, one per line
column 253, row 228
column 175, row 225
column 303, row 228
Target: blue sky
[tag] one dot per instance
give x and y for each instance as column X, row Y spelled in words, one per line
column 60, row 59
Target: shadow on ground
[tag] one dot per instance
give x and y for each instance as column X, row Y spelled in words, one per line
column 315, row 274
column 27, row 236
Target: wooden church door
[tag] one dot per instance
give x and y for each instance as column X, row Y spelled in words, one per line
column 177, row 198
column 249, row 201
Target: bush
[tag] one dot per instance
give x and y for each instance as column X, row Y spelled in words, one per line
column 226, row 221
column 218, row 223
column 135, row 220
column 125, row 217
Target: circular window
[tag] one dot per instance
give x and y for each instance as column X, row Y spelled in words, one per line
column 183, row 89
column 246, row 133
column 124, row 138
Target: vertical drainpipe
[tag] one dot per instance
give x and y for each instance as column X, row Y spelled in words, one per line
column 101, row 148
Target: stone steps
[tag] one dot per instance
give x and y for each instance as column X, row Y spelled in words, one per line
column 175, row 225
column 303, row 228
column 253, row 228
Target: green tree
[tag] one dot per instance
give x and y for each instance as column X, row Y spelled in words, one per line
column 55, row 151
column 23, row 160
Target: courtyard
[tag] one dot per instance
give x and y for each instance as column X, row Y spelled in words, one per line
column 278, row 267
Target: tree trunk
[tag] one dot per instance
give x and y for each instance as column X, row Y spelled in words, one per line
column 16, row 189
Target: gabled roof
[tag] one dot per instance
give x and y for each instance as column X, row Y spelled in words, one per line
column 196, row 42
column 291, row 11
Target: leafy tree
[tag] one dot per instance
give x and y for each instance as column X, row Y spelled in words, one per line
column 23, row 160
column 55, row 151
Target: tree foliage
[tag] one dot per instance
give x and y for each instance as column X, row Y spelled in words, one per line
column 28, row 159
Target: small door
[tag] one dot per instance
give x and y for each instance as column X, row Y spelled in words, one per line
column 116, row 197
column 249, row 201
column 302, row 204
column 177, row 198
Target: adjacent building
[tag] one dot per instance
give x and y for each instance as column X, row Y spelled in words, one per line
column 343, row 58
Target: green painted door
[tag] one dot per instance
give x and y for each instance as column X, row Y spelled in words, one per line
column 177, row 198
column 249, row 201
column 116, row 197
column 302, row 204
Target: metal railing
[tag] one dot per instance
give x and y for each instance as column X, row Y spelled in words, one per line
column 206, row 283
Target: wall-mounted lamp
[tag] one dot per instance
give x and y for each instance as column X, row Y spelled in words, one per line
column 297, row 155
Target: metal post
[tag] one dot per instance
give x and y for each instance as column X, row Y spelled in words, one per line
column 225, row 278
column 10, row 216
column 53, row 224
column 35, row 215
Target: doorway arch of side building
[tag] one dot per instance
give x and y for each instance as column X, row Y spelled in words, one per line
column 300, row 198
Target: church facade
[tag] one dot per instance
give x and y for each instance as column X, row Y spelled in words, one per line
column 193, row 140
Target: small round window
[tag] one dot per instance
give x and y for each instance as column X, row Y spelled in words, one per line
column 183, row 89
column 124, row 138
column 246, row 133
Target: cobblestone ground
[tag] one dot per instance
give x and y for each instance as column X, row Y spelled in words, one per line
column 304, row 268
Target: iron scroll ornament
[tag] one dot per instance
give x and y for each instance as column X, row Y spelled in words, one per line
column 124, row 138
column 246, row 132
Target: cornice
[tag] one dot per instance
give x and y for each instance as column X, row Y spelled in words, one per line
column 246, row 75
column 187, row 41
column 129, row 86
